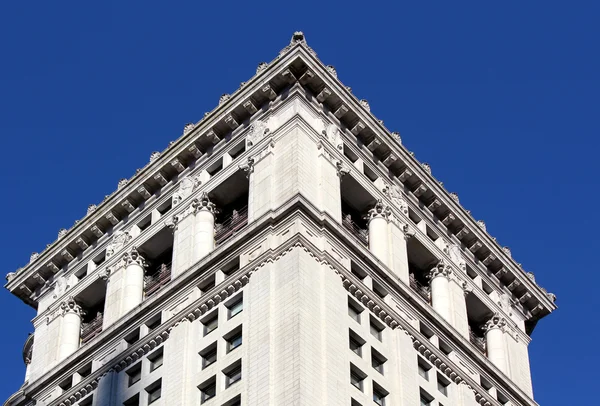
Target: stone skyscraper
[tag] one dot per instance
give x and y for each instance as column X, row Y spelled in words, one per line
column 285, row 250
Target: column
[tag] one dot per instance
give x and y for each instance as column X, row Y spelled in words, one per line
column 494, row 340
column 70, row 328
column 133, row 287
column 378, row 223
column 440, row 290
column 204, row 227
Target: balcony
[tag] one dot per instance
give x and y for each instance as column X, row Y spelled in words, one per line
column 91, row 329
column 478, row 342
column 360, row 233
column 230, row 225
column 422, row 290
column 153, row 283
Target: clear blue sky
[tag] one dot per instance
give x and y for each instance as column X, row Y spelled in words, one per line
column 501, row 100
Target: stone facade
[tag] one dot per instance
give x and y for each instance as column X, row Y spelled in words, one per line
column 307, row 259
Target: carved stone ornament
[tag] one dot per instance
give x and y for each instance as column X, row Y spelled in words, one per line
column 395, row 194
column 331, row 69
column 185, row 189
column 454, row 197
column 441, row 269
column 154, row 156
column 507, row 251
column 396, row 136
column 188, row 127
column 62, row 232
column 248, row 167
column 496, row 321
column 122, row 183
column 365, row 104
column 380, row 210
column 341, row 169
column 104, row 274
column 34, row 256
column 71, row 306
column 531, row 276
column 119, row 239
column 334, row 136
column 133, row 257
column 10, row 276
column 91, row 208
column 261, row 67
column 257, row 131
column 204, row 203
column 297, row 38
column 224, row 97
column 481, row 225
column 427, row 167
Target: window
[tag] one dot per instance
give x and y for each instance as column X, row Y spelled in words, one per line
column 234, row 339
column 442, row 385
column 233, row 374
column 236, row 401
column 132, row 337
column 134, row 374
column 356, row 343
column 377, row 361
column 423, row 369
column 211, row 324
column 87, row 401
column 425, row 401
column 356, row 377
column 235, row 308
column 209, row 355
column 376, row 329
column 133, row 401
column 208, row 390
column 66, row 384
column 156, row 359
column 153, row 322
column 379, row 394
column 154, row 392
column 354, row 310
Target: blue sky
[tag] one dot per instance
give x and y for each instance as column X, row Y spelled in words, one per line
column 500, row 100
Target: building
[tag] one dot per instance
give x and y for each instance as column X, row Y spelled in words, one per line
column 285, row 250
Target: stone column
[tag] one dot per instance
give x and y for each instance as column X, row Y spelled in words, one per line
column 494, row 341
column 70, row 328
column 379, row 238
column 133, row 286
column 440, row 290
column 204, row 227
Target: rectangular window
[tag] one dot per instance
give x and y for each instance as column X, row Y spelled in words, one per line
column 233, row 375
column 234, row 340
column 156, row 359
column 376, row 330
column 357, row 377
column 377, row 361
column 134, row 374
column 442, row 385
column 133, row 401
column 235, row 308
column 423, row 369
column 209, row 355
column 154, row 392
column 355, row 345
column 208, row 390
column 425, row 401
column 379, row 394
column 211, row 324
column 354, row 310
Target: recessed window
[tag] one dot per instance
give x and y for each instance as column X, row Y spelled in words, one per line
column 354, row 310
column 377, row 361
column 154, row 391
column 443, row 385
column 133, row 401
column 234, row 339
column 209, row 355
column 376, row 329
column 379, row 394
column 208, row 390
column 211, row 323
column 425, row 399
column 66, row 384
column 356, row 343
column 132, row 337
column 233, row 374
column 134, row 374
column 156, row 359
column 207, row 284
column 235, row 308
column 357, row 378
column 236, row 401
column 379, row 290
column 154, row 322
column 87, row 401
column 423, row 369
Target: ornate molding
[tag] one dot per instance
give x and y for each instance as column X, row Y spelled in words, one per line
column 71, row 306
column 440, row 269
column 186, row 187
column 119, row 240
column 248, row 167
column 380, row 210
column 203, row 203
column 394, row 193
column 496, row 321
column 342, row 169
column 133, row 257
column 257, row 132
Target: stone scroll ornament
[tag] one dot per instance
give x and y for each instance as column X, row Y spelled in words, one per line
column 185, row 189
column 333, row 135
column 120, row 238
column 257, row 132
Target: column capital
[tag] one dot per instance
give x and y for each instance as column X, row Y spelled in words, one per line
column 496, row 321
column 440, row 269
column 133, row 257
column 203, row 203
column 104, row 274
column 71, row 306
column 380, row 210
column 248, row 168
